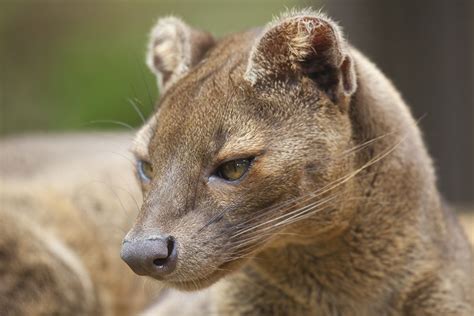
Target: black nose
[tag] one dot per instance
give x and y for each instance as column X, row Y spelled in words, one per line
column 154, row 256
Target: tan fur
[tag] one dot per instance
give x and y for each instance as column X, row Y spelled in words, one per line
column 467, row 221
column 174, row 49
column 65, row 202
column 339, row 213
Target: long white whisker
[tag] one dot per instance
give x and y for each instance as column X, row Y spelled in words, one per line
column 137, row 109
column 344, row 179
column 111, row 122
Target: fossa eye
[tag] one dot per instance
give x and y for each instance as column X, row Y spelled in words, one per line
column 233, row 170
column 144, row 170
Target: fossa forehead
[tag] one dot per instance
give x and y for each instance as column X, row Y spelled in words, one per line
column 196, row 123
column 186, row 119
column 207, row 94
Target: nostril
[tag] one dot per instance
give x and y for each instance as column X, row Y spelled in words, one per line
column 170, row 244
column 160, row 262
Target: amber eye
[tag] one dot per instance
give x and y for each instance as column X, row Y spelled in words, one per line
column 144, row 170
column 233, row 170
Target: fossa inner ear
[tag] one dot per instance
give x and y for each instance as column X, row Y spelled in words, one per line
column 303, row 44
column 174, row 48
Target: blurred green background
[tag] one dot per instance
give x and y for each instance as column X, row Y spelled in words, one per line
column 73, row 64
column 68, row 65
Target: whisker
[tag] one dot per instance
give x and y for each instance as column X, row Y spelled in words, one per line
column 272, row 220
column 346, row 178
column 270, row 229
column 262, row 212
column 260, row 236
column 256, row 235
column 150, row 99
column 137, row 110
column 132, row 162
column 111, row 122
column 245, row 255
column 111, row 188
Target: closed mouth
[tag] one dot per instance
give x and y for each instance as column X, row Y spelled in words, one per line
column 199, row 283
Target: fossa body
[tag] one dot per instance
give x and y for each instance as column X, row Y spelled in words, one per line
column 282, row 163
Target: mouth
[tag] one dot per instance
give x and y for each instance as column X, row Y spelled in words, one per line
column 204, row 282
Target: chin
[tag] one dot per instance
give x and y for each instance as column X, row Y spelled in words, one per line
column 197, row 284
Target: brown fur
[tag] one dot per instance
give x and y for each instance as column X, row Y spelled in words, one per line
column 339, row 213
column 65, row 202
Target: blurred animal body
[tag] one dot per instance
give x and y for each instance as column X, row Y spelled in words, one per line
column 65, row 202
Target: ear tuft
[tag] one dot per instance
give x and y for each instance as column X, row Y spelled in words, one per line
column 174, row 48
column 303, row 43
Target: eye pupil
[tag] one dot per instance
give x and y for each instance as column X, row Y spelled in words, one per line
column 233, row 170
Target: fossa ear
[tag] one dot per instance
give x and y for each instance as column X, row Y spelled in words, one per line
column 174, row 48
column 303, row 43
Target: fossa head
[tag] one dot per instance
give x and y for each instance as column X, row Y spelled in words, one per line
column 240, row 153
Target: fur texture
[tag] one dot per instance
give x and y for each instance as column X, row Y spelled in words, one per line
column 173, row 49
column 338, row 214
column 65, row 202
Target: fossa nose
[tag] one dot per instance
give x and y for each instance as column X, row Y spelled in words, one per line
column 154, row 255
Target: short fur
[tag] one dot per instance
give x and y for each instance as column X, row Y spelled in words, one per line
column 339, row 213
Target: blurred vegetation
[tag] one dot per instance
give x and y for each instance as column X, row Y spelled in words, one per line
column 66, row 64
